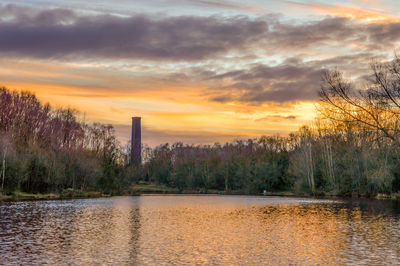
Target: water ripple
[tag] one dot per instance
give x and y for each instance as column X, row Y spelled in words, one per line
column 199, row 230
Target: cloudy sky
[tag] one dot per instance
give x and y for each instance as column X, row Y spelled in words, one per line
column 197, row 71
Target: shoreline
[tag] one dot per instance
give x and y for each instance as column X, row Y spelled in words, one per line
column 76, row 194
column 148, row 190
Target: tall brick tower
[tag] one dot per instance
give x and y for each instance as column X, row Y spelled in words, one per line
column 136, row 142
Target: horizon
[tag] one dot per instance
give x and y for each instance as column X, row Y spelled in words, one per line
column 198, row 71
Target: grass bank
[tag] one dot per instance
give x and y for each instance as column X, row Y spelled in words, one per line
column 145, row 189
column 393, row 196
column 149, row 188
column 65, row 194
column 142, row 189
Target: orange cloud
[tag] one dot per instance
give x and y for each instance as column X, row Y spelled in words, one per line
column 171, row 109
column 373, row 15
column 195, row 118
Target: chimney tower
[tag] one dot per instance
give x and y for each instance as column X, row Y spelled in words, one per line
column 136, row 142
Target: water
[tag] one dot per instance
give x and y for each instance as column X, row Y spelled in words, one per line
column 200, row 230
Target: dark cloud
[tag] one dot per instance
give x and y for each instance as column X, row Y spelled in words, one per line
column 327, row 31
column 262, row 83
column 335, row 32
column 61, row 33
column 291, row 81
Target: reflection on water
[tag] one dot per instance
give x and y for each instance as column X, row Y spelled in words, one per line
column 200, row 230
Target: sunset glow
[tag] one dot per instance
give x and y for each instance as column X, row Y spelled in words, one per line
column 195, row 71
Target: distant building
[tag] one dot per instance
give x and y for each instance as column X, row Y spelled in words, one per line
column 136, row 142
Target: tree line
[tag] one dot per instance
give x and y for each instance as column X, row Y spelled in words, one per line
column 45, row 149
column 352, row 147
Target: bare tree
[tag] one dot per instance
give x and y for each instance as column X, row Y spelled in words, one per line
column 376, row 108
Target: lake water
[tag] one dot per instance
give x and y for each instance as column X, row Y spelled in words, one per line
column 200, row 230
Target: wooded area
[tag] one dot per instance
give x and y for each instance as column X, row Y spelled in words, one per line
column 44, row 149
column 352, row 147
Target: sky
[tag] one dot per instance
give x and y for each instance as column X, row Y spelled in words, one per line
column 196, row 71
